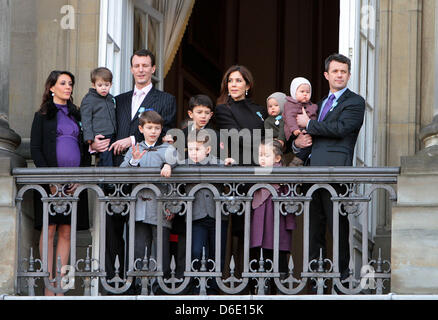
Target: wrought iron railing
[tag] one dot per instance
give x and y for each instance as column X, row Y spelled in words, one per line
column 233, row 189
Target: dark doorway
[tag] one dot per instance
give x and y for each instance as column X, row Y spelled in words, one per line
column 277, row 40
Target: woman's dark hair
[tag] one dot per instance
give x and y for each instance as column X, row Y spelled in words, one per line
column 50, row 82
column 247, row 76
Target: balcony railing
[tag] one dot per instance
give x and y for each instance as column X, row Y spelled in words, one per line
column 233, row 189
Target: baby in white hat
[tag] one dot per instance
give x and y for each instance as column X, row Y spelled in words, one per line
column 300, row 93
column 275, row 105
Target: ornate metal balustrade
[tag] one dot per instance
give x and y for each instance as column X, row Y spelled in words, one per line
column 233, row 189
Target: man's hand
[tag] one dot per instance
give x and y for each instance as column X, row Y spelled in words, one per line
column 100, row 144
column 136, row 154
column 166, row 171
column 120, row 145
column 303, row 140
column 302, row 119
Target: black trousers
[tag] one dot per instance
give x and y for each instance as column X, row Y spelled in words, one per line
column 114, row 244
column 321, row 217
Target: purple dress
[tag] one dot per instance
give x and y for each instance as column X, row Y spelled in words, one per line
column 68, row 153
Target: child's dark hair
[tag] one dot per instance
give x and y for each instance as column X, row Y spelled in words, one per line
column 150, row 116
column 200, row 100
column 199, row 136
column 276, row 146
column 104, row 73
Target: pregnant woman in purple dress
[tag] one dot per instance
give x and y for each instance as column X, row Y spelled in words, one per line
column 56, row 142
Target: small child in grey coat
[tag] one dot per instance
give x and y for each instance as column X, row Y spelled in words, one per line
column 275, row 105
column 204, row 205
column 98, row 115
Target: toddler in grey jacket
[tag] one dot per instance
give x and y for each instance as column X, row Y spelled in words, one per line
column 98, row 115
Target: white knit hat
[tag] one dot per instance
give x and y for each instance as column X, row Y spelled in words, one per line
column 296, row 83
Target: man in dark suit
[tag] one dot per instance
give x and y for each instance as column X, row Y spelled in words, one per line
column 144, row 96
column 128, row 107
column 333, row 137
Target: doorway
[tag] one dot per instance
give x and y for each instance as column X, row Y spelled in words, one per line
column 277, row 40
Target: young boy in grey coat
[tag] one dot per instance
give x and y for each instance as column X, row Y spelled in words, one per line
column 204, row 206
column 148, row 154
column 98, row 115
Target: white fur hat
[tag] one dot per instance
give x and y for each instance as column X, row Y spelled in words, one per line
column 296, row 83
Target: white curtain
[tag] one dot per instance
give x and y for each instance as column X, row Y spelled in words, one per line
column 176, row 17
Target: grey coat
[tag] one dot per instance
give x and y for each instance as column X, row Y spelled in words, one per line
column 204, row 204
column 147, row 205
column 98, row 115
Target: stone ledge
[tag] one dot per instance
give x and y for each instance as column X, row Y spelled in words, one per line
column 423, row 162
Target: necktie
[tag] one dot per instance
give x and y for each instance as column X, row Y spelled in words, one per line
column 138, row 98
column 327, row 107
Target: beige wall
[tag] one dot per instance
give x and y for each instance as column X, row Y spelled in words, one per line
column 406, row 76
column 39, row 44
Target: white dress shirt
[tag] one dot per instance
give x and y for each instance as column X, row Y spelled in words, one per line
column 138, row 97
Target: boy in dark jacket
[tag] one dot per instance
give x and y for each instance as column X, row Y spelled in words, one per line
column 98, row 112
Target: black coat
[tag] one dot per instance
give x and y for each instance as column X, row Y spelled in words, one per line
column 43, row 153
column 162, row 102
column 243, row 114
column 334, row 138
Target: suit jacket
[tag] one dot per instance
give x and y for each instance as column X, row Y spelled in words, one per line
column 243, row 114
column 162, row 102
column 334, row 138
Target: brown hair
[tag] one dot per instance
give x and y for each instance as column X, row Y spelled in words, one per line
column 247, row 76
column 150, row 116
column 199, row 136
column 103, row 73
column 276, row 146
